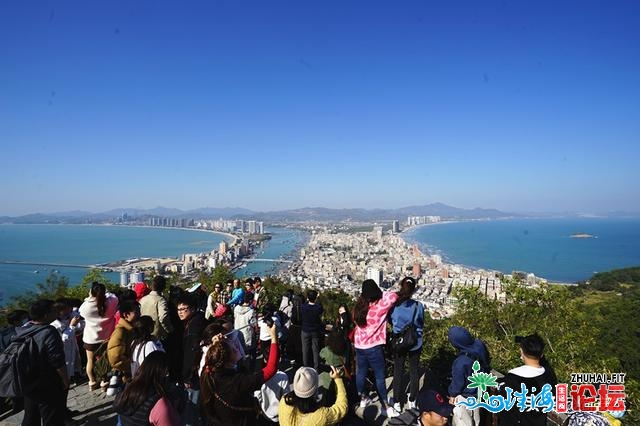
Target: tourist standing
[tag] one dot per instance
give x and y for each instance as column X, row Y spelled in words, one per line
column 143, row 342
column 469, row 350
column 45, row 398
column 534, row 373
column 311, row 322
column 370, row 314
column 119, row 347
column 227, row 391
column 70, row 325
column 244, row 320
column 155, row 306
column 147, row 399
column 98, row 311
column 194, row 323
column 237, row 296
column 407, row 312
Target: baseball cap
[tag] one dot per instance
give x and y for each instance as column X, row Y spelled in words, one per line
column 431, row 400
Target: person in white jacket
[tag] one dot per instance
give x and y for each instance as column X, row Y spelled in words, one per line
column 69, row 324
column 98, row 311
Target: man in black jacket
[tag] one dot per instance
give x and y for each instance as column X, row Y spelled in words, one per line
column 194, row 323
column 534, row 374
column 46, row 401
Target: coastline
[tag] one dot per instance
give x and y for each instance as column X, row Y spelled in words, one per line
column 408, row 236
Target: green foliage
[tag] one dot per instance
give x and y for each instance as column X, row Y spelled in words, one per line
column 331, row 300
column 222, row 274
column 584, row 330
column 614, row 280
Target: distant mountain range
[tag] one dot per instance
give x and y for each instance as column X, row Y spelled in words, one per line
column 320, row 214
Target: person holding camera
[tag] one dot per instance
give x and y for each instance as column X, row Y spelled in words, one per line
column 227, row 389
column 301, row 406
column 265, row 323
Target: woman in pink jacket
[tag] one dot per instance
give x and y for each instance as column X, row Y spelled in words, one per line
column 370, row 315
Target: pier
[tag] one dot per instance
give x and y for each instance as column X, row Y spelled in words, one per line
column 63, row 265
column 268, row 260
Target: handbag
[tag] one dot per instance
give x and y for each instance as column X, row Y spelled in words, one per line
column 402, row 342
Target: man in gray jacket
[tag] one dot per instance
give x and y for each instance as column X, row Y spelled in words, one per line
column 155, row 306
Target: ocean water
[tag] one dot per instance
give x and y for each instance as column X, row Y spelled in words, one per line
column 541, row 246
column 86, row 245
column 284, row 243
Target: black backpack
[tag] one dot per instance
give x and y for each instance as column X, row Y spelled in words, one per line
column 20, row 365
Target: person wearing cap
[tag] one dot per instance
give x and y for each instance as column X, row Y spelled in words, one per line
column 370, row 338
column 534, row 373
column 469, row 350
column 434, row 409
column 301, row 407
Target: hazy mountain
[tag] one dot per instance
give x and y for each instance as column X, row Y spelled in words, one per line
column 322, row 214
column 219, row 212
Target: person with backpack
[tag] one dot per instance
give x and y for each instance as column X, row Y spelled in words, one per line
column 407, row 312
column 469, row 350
column 15, row 319
column 45, row 390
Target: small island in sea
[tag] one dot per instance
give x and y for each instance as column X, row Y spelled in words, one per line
column 582, row 235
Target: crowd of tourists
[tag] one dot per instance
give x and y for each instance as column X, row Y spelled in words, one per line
column 225, row 356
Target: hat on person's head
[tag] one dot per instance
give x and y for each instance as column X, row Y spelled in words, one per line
column 370, row 290
column 431, row 400
column 305, row 382
column 532, row 345
column 194, row 287
column 141, row 290
column 460, row 337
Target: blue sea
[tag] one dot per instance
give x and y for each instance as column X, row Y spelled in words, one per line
column 87, row 245
column 541, row 246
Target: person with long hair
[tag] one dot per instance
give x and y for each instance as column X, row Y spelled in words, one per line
column 146, row 399
column 301, row 406
column 370, row 338
column 143, row 342
column 98, row 311
column 226, row 391
column 405, row 312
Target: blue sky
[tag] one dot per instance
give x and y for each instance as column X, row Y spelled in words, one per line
column 521, row 106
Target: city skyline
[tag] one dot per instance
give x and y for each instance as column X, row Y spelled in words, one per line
column 517, row 107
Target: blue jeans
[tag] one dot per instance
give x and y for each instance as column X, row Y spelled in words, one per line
column 371, row 358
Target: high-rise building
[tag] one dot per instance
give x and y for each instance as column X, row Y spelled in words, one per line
column 374, row 274
column 260, row 228
column 252, row 226
column 377, row 232
column 223, row 247
column 395, row 226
